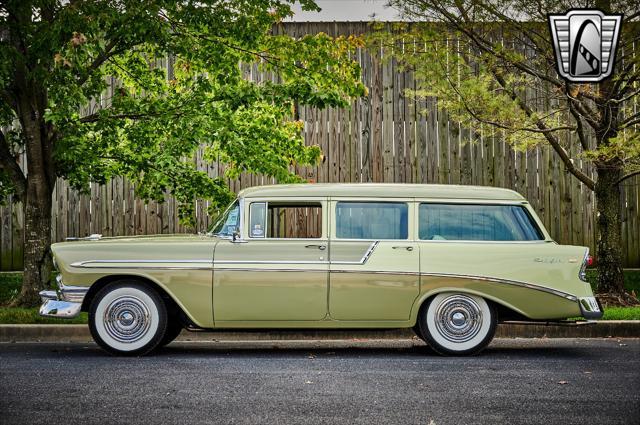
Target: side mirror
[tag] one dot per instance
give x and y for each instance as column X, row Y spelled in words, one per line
column 235, row 235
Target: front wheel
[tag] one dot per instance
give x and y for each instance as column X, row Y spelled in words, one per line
column 457, row 324
column 128, row 318
column 174, row 328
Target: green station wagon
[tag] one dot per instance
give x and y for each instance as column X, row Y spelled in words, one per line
column 448, row 261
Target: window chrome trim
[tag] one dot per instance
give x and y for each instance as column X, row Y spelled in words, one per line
column 240, row 220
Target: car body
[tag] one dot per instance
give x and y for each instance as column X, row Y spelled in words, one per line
column 337, row 256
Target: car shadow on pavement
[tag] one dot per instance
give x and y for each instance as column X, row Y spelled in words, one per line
column 505, row 349
column 370, row 350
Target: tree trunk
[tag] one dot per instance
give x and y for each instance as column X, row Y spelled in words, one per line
column 37, row 206
column 609, row 251
column 37, row 228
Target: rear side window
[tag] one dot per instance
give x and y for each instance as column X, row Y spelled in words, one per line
column 476, row 223
column 371, row 220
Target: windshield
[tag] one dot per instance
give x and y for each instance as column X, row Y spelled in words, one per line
column 229, row 222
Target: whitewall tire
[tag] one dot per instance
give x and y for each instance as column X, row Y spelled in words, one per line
column 457, row 324
column 128, row 318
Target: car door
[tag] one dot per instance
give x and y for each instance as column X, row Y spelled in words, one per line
column 278, row 269
column 374, row 263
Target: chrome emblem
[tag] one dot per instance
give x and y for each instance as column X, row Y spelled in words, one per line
column 585, row 44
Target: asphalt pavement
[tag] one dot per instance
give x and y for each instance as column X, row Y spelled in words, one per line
column 514, row 381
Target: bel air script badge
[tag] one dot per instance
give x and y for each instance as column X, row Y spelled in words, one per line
column 585, row 44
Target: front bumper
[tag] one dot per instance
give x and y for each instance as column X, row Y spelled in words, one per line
column 590, row 308
column 64, row 303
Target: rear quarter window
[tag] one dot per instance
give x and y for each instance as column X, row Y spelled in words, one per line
column 469, row 222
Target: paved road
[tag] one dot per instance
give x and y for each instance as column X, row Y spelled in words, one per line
column 547, row 381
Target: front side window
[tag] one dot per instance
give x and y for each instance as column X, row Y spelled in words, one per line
column 371, row 220
column 282, row 220
column 476, row 223
column 229, row 222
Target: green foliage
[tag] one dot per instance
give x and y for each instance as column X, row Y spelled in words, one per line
column 117, row 108
column 631, row 281
column 491, row 66
column 10, row 283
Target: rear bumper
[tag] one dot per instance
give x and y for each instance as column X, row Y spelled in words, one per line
column 590, row 308
column 65, row 303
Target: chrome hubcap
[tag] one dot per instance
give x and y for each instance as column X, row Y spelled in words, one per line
column 458, row 318
column 127, row 319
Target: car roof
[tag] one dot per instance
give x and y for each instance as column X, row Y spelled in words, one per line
column 382, row 190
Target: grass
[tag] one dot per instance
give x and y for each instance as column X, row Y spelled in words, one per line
column 24, row 316
column 621, row 313
column 10, row 287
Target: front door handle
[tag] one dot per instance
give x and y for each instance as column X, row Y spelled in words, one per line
column 320, row 247
column 408, row 248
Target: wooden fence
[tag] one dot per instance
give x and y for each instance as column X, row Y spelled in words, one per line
column 384, row 137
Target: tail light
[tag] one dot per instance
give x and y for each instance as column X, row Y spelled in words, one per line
column 588, row 262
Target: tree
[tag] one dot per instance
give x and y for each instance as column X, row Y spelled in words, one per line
column 84, row 96
column 491, row 63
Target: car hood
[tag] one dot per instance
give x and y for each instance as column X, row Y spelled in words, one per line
column 70, row 255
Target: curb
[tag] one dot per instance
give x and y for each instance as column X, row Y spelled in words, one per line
column 80, row 333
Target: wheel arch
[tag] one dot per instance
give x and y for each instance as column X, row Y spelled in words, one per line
column 173, row 306
column 503, row 308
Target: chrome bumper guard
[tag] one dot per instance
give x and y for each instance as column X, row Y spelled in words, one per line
column 590, row 308
column 64, row 303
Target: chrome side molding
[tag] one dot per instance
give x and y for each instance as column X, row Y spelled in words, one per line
column 92, row 237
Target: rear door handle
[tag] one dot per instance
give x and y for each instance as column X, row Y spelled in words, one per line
column 408, row 248
column 320, row 247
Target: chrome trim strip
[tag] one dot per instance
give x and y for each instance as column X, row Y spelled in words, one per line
column 145, row 264
column 260, row 270
column 376, row 272
column 367, row 254
column 268, row 262
column 508, row 282
column 154, row 267
column 92, row 237
column 464, row 241
column 364, row 258
column 82, row 263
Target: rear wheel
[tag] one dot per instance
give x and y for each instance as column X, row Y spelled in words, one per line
column 128, row 318
column 457, row 324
